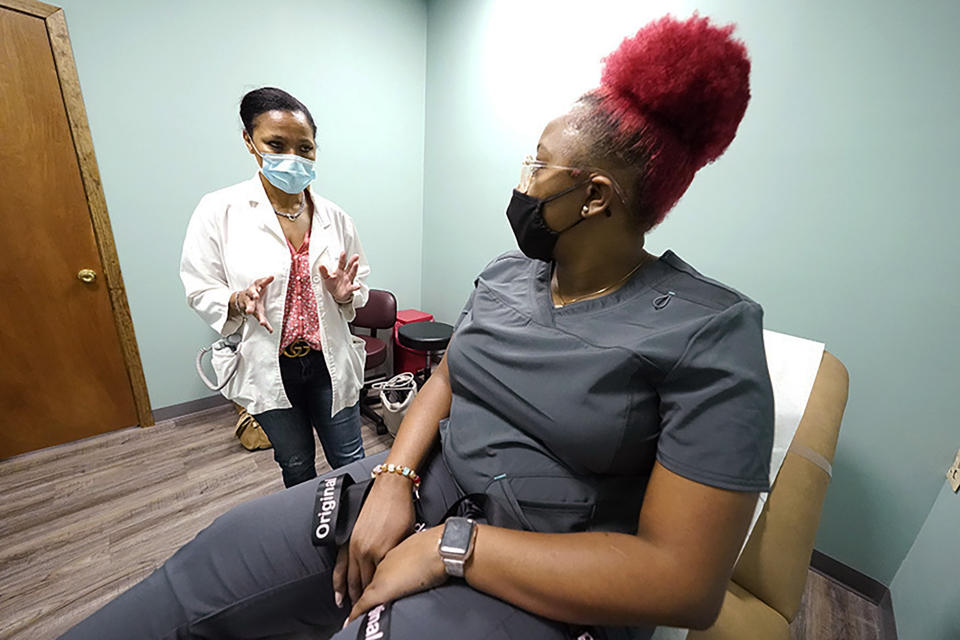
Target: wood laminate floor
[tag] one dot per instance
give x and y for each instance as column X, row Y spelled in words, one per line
column 830, row 611
column 82, row 522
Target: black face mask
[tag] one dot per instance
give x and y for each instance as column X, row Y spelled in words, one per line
column 535, row 239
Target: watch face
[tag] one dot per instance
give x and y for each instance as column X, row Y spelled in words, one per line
column 456, row 536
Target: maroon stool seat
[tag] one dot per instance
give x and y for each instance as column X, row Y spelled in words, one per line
column 380, row 312
column 376, row 351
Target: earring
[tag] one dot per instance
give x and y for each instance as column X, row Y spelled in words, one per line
column 583, row 211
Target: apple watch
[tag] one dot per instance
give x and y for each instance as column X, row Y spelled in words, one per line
column 456, row 544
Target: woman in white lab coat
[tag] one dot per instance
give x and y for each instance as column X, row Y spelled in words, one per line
column 274, row 261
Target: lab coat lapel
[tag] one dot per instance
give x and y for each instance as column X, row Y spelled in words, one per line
column 262, row 209
column 319, row 236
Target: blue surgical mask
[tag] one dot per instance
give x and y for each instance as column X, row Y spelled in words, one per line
column 288, row 172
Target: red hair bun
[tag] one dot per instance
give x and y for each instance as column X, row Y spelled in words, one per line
column 690, row 78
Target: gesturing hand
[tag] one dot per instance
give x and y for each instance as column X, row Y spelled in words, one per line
column 252, row 302
column 340, row 282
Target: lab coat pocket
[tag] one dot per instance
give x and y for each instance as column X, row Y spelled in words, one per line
column 358, row 355
column 224, row 362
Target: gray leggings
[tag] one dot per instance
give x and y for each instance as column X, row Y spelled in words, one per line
column 254, row 573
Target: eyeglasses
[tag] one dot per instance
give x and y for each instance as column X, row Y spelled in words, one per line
column 531, row 166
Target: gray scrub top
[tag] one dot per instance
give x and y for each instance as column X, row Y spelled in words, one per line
column 560, row 413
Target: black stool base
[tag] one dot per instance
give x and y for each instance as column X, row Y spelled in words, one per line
column 366, row 410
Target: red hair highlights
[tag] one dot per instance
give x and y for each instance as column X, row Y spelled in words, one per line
column 671, row 98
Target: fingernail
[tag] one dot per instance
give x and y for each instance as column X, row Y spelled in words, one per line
column 345, row 623
column 338, row 598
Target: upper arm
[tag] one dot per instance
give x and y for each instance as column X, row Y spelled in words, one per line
column 203, row 272
column 713, row 453
column 466, row 310
column 352, row 246
column 699, row 530
column 345, row 232
column 201, row 260
column 716, row 404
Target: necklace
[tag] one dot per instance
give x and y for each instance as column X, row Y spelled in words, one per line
column 555, row 286
column 293, row 216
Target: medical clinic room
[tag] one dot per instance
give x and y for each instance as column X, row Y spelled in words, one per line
column 479, row 319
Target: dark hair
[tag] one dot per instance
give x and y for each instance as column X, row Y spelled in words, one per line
column 670, row 100
column 270, row 99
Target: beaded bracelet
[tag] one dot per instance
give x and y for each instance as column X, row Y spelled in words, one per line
column 407, row 472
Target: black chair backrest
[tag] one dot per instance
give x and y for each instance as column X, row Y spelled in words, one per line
column 380, row 312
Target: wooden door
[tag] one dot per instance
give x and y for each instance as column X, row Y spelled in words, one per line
column 65, row 373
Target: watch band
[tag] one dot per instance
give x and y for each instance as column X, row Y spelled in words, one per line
column 456, row 544
column 453, row 567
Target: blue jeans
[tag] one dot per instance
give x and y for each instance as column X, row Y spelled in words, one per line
column 307, row 384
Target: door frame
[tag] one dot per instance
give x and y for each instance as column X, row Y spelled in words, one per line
column 69, row 81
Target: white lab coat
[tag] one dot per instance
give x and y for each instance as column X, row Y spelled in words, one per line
column 234, row 238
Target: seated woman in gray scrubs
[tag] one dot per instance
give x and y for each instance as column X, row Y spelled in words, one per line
column 616, row 405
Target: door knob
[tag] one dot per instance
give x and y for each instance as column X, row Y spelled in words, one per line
column 87, row 275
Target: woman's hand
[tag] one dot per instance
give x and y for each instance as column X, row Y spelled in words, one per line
column 412, row 566
column 385, row 519
column 251, row 301
column 340, row 283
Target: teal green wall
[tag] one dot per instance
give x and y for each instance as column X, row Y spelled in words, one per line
column 835, row 207
column 926, row 590
column 162, row 82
